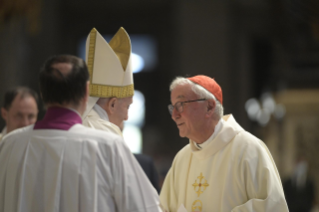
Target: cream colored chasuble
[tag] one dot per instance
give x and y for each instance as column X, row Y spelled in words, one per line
column 234, row 172
column 95, row 121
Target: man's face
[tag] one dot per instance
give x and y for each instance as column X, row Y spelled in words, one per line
column 22, row 112
column 121, row 111
column 191, row 120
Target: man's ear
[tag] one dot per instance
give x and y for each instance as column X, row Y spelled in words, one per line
column 211, row 104
column 4, row 113
column 111, row 105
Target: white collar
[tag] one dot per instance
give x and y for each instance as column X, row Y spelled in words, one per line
column 229, row 129
column 218, row 127
column 75, row 111
column 101, row 112
column 4, row 131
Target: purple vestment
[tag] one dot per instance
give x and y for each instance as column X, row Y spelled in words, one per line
column 58, row 118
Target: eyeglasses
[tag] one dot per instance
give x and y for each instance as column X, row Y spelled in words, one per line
column 179, row 105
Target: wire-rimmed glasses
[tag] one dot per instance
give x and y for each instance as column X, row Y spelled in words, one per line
column 179, row 105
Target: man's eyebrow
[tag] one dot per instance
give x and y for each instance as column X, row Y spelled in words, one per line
column 180, row 96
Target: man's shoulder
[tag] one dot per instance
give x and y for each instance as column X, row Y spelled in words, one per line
column 87, row 132
column 245, row 138
column 92, row 115
column 18, row 131
column 242, row 137
column 77, row 132
column 96, row 122
column 249, row 146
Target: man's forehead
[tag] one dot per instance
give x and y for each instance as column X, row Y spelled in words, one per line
column 182, row 91
column 182, row 94
column 23, row 99
column 19, row 97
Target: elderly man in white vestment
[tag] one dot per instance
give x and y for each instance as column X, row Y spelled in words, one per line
column 223, row 168
column 111, row 81
column 112, row 89
column 58, row 164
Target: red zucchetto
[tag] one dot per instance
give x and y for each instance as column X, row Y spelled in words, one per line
column 209, row 84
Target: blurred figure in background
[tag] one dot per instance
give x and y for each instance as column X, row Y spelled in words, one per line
column 224, row 167
column 58, row 164
column 20, row 109
column 112, row 89
column 299, row 188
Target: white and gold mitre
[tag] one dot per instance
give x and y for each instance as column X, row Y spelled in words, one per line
column 110, row 65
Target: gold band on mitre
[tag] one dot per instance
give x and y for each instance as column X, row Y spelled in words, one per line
column 105, row 91
column 110, row 65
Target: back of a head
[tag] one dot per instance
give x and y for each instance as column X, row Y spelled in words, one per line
column 60, row 87
column 21, row 91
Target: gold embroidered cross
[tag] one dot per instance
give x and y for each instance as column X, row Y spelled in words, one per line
column 201, row 186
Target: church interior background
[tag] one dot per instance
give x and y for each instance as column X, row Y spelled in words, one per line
column 263, row 53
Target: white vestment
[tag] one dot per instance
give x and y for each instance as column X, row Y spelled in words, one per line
column 81, row 169
column 3, row 133
column 93, row 120
column 98, row 119
column 235, row 172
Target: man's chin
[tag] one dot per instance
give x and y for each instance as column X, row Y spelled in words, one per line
column 121, row 127
column 181, row 134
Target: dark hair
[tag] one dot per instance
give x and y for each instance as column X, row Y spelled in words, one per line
column 11, row 94
column 63, row 88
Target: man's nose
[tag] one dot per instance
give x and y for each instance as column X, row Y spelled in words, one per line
column 175, row 114
column 25, row 121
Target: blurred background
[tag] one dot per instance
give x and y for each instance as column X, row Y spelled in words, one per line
column 263, row 53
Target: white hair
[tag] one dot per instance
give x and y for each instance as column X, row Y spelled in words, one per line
column 201, row 92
